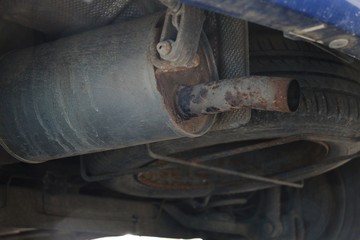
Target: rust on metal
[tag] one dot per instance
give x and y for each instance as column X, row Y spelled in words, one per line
column 257, row 92
column 154, row 57
column 260, row 159
column 164, row 47
column 169, row 78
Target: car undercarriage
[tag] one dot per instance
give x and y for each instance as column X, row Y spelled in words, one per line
column 167, row 118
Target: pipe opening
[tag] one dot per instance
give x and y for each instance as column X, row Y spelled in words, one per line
column 293, row 96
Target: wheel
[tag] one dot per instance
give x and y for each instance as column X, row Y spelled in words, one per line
column 330, row 204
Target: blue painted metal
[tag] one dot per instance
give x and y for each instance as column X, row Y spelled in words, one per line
column 321, row 21
column 344, row 14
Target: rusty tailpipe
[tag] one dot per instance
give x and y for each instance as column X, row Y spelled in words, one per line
column 257, row 92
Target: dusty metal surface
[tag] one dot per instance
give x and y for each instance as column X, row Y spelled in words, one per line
column 257, row 92
column 59, row 18
column 84, row 94
column 62, row 16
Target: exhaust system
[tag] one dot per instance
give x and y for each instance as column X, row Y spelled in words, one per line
column 105, row 89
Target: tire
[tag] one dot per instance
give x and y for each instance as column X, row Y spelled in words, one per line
column 331, row 204
column 272, row 54
column 329, row 110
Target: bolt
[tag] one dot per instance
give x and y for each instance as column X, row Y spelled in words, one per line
column 338, row 43
column 164, row 48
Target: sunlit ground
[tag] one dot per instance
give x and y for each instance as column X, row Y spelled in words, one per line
column 132, row 237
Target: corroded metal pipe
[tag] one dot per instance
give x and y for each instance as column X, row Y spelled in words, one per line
column 258, row 92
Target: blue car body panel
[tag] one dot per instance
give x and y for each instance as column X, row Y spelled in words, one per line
column 344, row 14
column 320, row 21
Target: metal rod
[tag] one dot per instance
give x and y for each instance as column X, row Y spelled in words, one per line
column 245, row 149
column 222, row 171
column 203, row 158
column 258, row 92
column 199, row 159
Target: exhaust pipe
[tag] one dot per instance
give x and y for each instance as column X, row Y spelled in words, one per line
column 100, row 91
column 257, row 92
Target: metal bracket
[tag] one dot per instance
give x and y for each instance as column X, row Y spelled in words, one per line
column 180, row 36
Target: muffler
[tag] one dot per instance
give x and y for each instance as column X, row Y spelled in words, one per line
column 93, row 92
column 98, row 91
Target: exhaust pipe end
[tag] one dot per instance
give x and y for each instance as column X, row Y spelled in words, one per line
column 276, row 94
